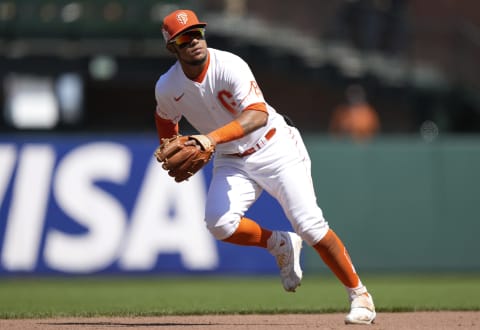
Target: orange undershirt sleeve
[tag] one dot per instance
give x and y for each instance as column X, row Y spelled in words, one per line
column 257, row 106
column 165, row 128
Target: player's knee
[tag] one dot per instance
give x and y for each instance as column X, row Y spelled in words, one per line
column 222, row 227
column 222, row 231
column 313, row 233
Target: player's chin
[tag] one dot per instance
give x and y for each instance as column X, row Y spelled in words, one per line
column 197, row 58
column 198, row 53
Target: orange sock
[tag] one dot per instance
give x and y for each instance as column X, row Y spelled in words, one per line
column 335, row 255
column 249, row 233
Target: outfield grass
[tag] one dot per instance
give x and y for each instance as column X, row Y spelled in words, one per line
column 51, row 297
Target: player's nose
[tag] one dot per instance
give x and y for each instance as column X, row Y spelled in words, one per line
column 195, row 41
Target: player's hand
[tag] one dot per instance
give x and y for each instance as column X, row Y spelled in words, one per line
column 202, row 142
column 182, row 158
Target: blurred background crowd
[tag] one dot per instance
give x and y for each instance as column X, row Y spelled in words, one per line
column 342, row 67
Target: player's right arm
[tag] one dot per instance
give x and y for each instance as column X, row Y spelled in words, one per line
column 165, row 128
column 166, row 118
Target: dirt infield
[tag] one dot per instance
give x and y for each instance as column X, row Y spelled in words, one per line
column 397, row 321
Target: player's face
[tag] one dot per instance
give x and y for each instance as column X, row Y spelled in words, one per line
column 191, row 46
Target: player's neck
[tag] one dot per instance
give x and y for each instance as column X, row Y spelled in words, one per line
column 196, row 71
column 192, row 71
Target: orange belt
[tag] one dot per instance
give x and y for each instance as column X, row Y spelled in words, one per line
column 259, row 145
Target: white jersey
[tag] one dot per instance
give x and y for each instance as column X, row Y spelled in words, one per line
column 227, row 88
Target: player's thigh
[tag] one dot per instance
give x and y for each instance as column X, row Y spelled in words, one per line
column 230, row 195
column 293, row 188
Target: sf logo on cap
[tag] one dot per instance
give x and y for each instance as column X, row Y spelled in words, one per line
column 182, row 18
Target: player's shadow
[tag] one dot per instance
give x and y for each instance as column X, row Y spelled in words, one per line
column 152, row 324
column 129, row 325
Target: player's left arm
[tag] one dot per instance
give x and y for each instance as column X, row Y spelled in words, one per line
column 248, row 96
column 249, row 120
column 253, row 117
column 251, row 107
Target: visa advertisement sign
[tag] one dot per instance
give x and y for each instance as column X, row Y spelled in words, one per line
column 90, row 205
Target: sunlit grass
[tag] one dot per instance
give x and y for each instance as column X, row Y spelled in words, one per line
column 135, row 296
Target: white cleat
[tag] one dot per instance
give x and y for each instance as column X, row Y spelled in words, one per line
column 286, row 250
column 362, row 309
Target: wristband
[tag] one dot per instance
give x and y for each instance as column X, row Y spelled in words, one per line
column 231, row 131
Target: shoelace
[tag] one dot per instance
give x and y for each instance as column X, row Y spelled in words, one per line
column 364, row 301
column 281, row 260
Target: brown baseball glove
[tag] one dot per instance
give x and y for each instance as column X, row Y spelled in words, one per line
column 183, row 156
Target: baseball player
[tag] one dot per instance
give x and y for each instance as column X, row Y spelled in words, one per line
column 255, row 150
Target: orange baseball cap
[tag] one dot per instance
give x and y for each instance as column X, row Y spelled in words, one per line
column 179, row 21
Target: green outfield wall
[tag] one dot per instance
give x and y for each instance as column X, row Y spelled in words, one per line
column 401, row 204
